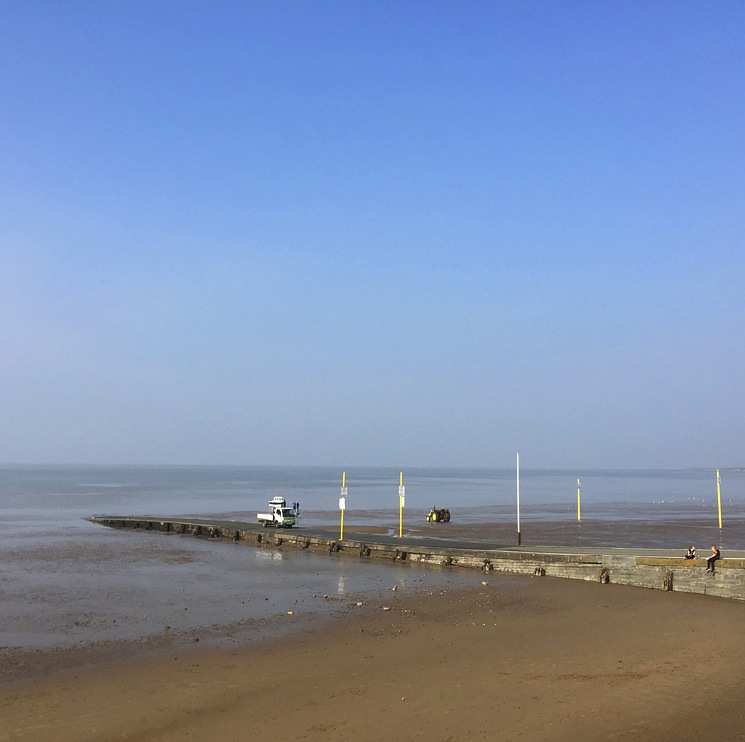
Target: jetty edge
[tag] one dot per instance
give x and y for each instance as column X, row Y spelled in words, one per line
column 657, row 569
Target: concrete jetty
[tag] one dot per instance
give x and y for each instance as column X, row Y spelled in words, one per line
column 660, row 569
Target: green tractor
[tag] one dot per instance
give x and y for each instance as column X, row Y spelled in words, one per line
column 438, row 515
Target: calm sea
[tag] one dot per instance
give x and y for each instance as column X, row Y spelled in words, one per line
column 39, row 496
column 66, row 581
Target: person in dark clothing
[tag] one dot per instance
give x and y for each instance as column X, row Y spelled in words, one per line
column 691, row 553
column 712, row 559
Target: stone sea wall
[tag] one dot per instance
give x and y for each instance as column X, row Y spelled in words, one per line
column 657, row 572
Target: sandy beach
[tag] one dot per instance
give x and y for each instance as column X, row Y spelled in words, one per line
column 528, row 658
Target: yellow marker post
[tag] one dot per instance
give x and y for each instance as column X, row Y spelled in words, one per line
column 719, row 497
column 343, row 503
column 401, row 495
column 517, row 462
column 579, row 506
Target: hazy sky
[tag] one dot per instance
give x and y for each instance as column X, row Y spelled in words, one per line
column 387, row 233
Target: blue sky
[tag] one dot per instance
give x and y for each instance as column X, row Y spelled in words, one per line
column 372, row 233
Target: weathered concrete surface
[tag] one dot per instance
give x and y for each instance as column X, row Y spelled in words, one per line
column 651, row 568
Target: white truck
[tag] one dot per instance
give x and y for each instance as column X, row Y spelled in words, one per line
column 279, row 516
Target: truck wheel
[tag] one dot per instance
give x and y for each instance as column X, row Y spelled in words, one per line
column 264, row 523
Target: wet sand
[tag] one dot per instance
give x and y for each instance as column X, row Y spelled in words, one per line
column 638, row 533
column 525, row 658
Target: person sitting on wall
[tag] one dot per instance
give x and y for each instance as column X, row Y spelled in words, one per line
column 691, row 553
column 712, row 559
